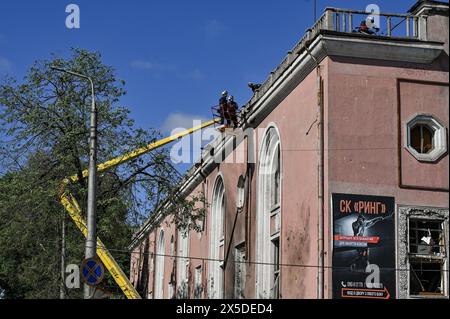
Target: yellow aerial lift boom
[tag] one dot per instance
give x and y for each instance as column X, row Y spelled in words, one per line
column 71, row 205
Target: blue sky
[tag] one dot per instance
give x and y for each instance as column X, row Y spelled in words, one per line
column 175, row 56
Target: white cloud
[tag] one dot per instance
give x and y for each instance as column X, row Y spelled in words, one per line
column 151, row 66
column 214, row 28
column 181, row 121
column 140, row 64
column 196, row 75
column 5, row 65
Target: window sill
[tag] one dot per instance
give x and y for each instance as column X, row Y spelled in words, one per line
column 427, row 257
column 428, row 296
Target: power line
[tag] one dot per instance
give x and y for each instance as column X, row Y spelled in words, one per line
column 124, row 251
column 255, row 262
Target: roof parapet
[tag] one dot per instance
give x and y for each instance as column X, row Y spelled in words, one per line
column 425, row 5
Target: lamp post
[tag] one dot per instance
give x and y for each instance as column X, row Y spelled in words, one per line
column 91, row 238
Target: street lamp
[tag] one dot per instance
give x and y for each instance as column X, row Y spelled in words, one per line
column 91, row 238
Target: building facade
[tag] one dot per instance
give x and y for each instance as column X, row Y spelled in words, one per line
column 337, row 183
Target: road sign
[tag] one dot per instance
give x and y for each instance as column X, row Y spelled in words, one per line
column 92, row 271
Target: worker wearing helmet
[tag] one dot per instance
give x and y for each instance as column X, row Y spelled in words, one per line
column 368, row 26
column 223, row 105
column 232, row 111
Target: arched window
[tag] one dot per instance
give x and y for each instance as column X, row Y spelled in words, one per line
column 216, row 240
column 268, row 217
column 159, row 271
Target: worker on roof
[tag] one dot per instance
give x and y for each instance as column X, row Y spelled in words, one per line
column 223, row 106
column 368, row 26
column 232, row 111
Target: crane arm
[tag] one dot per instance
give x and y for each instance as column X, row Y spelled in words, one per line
column 72, row 207
column 140, row 151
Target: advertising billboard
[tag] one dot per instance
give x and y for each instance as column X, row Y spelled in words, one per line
column 363, row 246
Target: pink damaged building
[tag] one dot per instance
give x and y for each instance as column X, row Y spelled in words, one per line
column 336, row 183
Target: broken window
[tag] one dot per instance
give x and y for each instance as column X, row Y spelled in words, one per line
column 239, row 272
column 427, row 257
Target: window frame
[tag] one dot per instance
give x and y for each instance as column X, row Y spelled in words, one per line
column 442, row 251
column 267, row 211
column 426, row 258
column 240, row 251
column 275, row 202
column 275, row 270
column 160, row 265
column 439, row 137
column 182, row 263
column 217, row 239
column 404, row 258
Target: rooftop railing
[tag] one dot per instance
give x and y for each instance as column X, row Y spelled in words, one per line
column 389, row 24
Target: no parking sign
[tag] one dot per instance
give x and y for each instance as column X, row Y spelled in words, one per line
column 92, row 271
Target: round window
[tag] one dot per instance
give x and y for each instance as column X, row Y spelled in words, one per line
column 426, row 138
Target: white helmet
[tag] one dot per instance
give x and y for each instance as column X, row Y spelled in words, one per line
column 225, row 93
column 370, row 21
column 231, row 98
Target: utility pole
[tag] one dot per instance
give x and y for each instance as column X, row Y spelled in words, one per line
column 91, row 238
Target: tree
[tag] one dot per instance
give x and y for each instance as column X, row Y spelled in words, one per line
column 44, row 124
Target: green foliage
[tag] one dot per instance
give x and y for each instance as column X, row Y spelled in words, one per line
column 27, row 237
column 44, row 128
